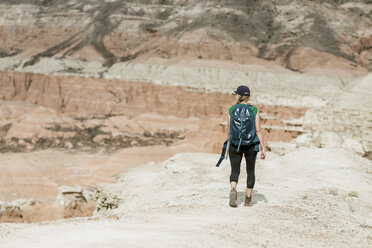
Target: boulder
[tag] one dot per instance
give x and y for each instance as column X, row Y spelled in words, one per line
column 75, row 201
column 10, row 211
column 70, row 197
column 354, row 145
column 330, row 140
column 305, row 140
column 281, row 148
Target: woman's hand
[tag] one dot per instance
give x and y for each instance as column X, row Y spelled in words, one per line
column 263, row 154
column 260, row 136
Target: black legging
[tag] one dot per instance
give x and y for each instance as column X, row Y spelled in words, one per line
column 236, row 159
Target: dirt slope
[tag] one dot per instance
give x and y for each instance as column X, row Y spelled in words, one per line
column 183, row 202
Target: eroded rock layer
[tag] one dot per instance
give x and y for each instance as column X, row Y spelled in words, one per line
column 304, row 36
column 90, row 114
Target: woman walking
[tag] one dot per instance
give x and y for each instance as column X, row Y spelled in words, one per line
column 245, row 139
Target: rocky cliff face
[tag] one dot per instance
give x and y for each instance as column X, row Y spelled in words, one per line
column 303, row 36
column 90, row 114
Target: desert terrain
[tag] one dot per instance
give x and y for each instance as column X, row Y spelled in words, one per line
column 113, row 115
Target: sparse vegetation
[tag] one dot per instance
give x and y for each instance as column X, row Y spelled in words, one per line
column 351, row 208
column 84, row 139
column 333, row 191
column 353, row 194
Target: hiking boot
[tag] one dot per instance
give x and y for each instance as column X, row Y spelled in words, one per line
column 233, row 198
column 248, row 201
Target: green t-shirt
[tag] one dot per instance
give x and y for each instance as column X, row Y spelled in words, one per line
column 254, row 109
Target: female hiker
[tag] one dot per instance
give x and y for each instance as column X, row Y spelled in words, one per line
column 245, row 139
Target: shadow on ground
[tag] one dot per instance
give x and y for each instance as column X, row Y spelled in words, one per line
column 257, row 197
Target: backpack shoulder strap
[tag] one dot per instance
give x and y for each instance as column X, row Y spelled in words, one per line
column 226, row 145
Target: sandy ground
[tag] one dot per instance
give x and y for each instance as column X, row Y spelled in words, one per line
column 38, row 175
column 183, row 202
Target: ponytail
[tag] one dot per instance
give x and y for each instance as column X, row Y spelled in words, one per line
column 242, row 99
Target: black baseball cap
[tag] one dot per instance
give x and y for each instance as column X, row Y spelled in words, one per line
column 243, row 91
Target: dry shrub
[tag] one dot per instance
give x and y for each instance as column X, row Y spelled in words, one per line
column 353, row 194
column 333, row 191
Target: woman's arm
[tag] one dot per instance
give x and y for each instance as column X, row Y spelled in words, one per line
column 260, row 136
column 228, row 125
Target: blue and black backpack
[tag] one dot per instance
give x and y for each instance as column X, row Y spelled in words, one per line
column 242, row 126
column 242, row 129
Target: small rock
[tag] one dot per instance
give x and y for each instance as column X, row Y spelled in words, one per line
column 304, row 140
column 70, row 190
column 100, row 138
column 75, row 201
column 69, row 145
column 146, row 134
column 330, row 139
column 134, row 143
column 70, row 197
column 354, row 144
column 24, row 203
column 10, row 211
column 281, row 147
column 30, row 147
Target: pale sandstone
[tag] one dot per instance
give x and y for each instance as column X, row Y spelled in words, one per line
column 200, row 208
